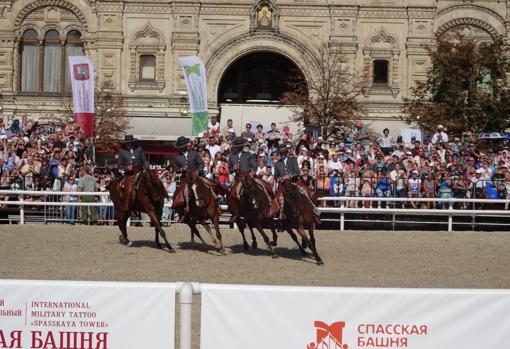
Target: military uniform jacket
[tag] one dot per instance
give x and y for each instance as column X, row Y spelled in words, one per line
column 136, row 158
column 290, row 167
column 247, row 162
column 192, row 160
column 233, row 160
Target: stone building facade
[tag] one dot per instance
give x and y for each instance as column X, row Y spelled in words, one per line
column 137, row 43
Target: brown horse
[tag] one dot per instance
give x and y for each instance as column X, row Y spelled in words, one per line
column 299, row 214
column 203, row 206
column 147, row 195
column 256, row 198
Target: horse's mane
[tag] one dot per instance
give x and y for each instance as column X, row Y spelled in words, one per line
column 111, row 181
column 261, row 195
column 296, row 198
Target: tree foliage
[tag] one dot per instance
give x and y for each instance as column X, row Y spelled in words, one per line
column 465, row 89
column 329, row 98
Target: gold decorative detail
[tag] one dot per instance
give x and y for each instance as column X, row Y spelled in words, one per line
column 264, row 16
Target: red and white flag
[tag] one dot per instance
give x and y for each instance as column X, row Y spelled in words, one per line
column 82, row 81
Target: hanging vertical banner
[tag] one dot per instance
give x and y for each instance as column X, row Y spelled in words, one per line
column 194, row 75
column 86, row 315
column 254, row 317
column 82, row 82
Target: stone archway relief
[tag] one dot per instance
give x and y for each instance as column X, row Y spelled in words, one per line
column 469, row 22
column 43, row 3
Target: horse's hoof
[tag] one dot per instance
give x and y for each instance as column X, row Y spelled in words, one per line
column 303, row 252
column 254, row 245
column 320, row 262
column 171, row 250
column 274, row 256
column 274, row 243
column 123, row 241
column 246, row 247
column 129, row 244
column 158, row 246
column 222, row 251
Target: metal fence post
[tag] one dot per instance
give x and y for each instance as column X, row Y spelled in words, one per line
column 342, row 216
column 21, row 210
column 450, row 215
column 186, row 305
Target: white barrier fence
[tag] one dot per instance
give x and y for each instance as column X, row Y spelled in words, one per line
column 97, row 315
column 449, row 208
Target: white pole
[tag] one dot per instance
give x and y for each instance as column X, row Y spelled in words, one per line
column 186, row 304
column 450, row 216
column 21, row 210
column 342, row 216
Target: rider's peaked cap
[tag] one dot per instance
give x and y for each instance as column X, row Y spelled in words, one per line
column 238, row 141
column 182, row 142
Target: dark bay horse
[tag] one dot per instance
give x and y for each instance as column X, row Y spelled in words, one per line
column 203, row 206
column 299, row 214
column 147, row 194
column 256, row 198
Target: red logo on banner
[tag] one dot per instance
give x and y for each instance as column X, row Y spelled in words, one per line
column 81, row 72
column 328, row 336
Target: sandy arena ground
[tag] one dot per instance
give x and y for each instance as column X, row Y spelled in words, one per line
column 362, row 259
column 366, row 259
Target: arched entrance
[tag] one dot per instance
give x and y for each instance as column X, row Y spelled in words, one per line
column 258, row 77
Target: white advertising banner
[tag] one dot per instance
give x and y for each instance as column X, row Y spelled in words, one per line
column 86, row 315
column 254, row 317
column 82, row 82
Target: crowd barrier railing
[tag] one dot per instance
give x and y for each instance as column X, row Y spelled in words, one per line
column 342, row 206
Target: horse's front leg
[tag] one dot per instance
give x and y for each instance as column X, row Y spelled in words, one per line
column 159, row 228
column 122, row 219
column 216, row 223
column 241, row 226
column 253, row 237
column 215, row 241
column 267, row 241
column 158, row 245
column 313, row 247
column 194, row 231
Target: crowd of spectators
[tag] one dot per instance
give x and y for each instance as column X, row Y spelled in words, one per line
column 46, row 157
column 359, row 164
column 41, row 157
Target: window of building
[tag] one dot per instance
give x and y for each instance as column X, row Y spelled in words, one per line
column 147, row 67
column 30, row 62
column 73, row 47
column 381, row 71
column 52, row 62
column 44, row 66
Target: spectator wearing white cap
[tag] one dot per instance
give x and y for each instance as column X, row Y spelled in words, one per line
column 440, row 136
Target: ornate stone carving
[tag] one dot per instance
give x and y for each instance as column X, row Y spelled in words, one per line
column 468, row 22
column 264, row 16
column 43, row 3
column 147, row 41
column 382, row 45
